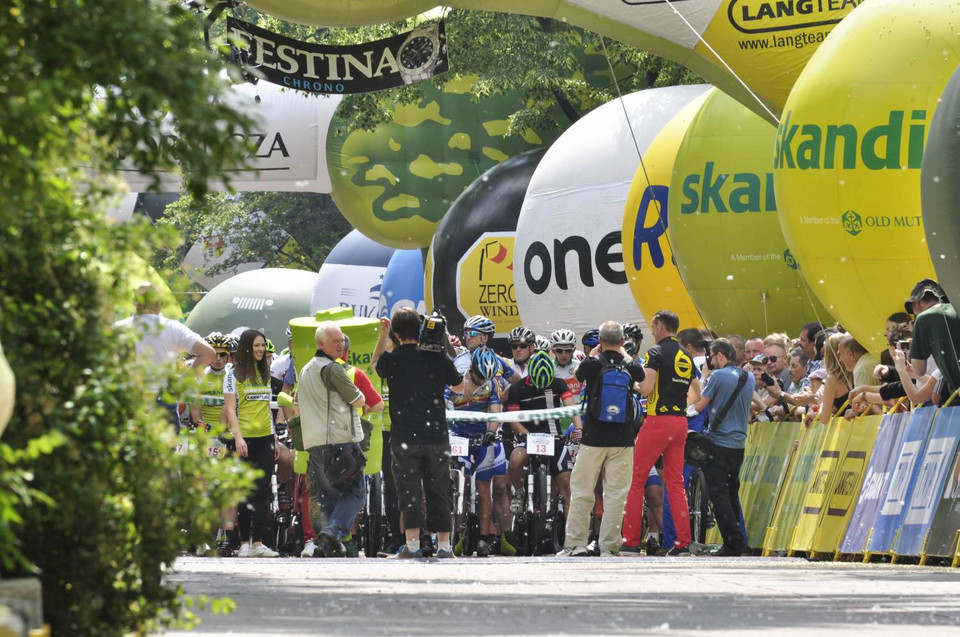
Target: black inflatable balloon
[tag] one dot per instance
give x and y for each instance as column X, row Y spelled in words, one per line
column 940, row 189
column 473, row 248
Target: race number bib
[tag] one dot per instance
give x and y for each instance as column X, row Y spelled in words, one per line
column 540, row 444
column 216, row 449
column 183, row 445
column 459, row 446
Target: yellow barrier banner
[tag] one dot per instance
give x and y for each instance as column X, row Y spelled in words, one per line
column 785, row 518
column 845, row 484
column 759, row 437
column 820, row 482
column 766, row 493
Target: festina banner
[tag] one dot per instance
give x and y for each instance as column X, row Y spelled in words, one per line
column 360, row 68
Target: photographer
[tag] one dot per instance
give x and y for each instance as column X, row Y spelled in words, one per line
column 418, row 371
column 331, row 435
column 727, row 393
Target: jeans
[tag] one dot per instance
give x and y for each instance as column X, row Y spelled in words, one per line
column 333, row 510
column 723, row 481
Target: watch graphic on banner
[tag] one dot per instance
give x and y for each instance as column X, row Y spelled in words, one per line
column 418, row 55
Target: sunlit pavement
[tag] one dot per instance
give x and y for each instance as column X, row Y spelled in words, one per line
column 580, row 596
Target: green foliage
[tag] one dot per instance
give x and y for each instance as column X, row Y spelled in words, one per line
column 91, row 489
column 280, row 229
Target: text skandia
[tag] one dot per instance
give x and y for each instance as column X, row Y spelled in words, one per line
column 747, row 192
column 310, row 64
column 791, row 8
column 809, row 147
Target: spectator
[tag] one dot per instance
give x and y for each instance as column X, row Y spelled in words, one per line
column 331, row 427
column 738, row 342
column 727, row 393
column 936, row 334
column 606, row 448
column 775, row 348
column 838, row 382
column 809, row 334
column 668, row 374
column 753, row 348
column 160, row 340
column 420, row 442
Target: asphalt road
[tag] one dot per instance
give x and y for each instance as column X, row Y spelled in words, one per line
column 580, row 596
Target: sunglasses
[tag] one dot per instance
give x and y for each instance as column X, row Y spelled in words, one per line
column 223, row 355
column 772, row 359
column 470, row 333
column 563, row 350
column 520, row 345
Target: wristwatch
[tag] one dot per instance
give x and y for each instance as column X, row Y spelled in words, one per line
column 418, row 55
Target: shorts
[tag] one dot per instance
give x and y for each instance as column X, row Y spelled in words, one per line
column 653, row 478
column 489, row 462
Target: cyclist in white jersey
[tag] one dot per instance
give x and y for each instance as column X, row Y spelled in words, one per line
column 523, row 343
column 563, row 344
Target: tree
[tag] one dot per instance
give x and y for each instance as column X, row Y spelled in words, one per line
column 93, row 497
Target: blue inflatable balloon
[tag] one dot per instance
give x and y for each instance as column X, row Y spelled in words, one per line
column 402, row 283
column 352, row 276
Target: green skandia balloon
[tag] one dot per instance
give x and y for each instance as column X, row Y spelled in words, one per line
column 395, row 183
column 723, row 225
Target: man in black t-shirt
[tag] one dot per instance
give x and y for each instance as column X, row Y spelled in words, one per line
column 419, row 442
column 669, row 372
column 606, row 447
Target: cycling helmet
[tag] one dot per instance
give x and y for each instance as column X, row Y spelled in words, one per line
column 543, row 344
column 216, row 340
column 269, row 345
column 233, row 342
column 485, row 363
column 631, row 330
column 563, row 337
column 591, row 338
column 481, row 324
column 540, row 370
column 289, row 333
column 522, row 334
column 630, row 347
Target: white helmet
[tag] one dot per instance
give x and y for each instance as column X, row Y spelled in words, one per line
column 563, row 337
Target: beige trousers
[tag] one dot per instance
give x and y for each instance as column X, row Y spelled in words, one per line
column 617, row 466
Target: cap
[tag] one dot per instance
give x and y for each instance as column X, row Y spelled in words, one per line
column 818, row 374
column 921, row 289
column 760, row 359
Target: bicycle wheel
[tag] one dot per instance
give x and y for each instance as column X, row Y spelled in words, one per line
column 541, row 505
column 373, row 518
column 558, row 531
column 698, row 503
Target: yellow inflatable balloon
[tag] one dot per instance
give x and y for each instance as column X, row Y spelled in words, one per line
column 766, row 42
column 724, row 228
column 848, row 156
column 647, row 256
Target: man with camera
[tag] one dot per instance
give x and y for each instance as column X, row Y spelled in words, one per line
column 331, row 435
column 728, row 393
column 417, row 371
column 936, row 334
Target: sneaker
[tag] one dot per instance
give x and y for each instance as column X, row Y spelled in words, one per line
column 679, row 551
column 331, row 546
column 632, row 550
column 262, row 550
column 445, row 555
column 244, row 550
column 729, row 550
column 203, row 550
column 506, row 548
column 653, row 545
column 573, row 551
column 483, row 548
column 609, row 554
column 593, row 548
column 458, row 547
column 518, row 501
column 407, row 554
column 351, row 548
column 309, row 549
column 224, row 549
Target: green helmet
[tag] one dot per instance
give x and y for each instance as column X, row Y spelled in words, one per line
column 540, row 369
column 270, row 348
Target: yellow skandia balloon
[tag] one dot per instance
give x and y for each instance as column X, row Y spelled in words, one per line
column 723, row 224
column 848, row 156
column 765, row 42
column 647, row 256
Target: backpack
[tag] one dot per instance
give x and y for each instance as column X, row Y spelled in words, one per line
column 611, row 398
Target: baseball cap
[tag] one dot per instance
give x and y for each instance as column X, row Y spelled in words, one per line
column 818, row 374
column 921, row 289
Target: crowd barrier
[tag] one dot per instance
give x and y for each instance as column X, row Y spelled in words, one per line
column 874, row 485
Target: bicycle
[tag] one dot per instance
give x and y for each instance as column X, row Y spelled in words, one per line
column 287, row 516
column 466, row 521
column 698, row 503
column 539, row 515
column 372, row 521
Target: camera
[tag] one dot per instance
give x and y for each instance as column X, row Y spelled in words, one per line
column 433, row 333
column 904, row 346
column 767, row 379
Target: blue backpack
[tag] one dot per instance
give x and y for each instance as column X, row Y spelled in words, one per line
column 611, row 398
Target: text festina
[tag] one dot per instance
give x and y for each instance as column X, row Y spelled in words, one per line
column 358, row 68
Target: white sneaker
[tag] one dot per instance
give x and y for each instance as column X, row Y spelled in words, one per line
column 573, row 551
column 244, row 550
column 262, row 550
column 309, row 549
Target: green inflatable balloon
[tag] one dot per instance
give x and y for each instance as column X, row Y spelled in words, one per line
column 940, row 189
column 723, row 224
column 395, row 183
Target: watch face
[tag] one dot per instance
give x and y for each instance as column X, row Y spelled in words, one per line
column 416, row 52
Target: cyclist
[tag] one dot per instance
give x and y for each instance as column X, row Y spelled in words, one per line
column 633, row 338
column 542, row 344
column 482, row 393
column 541, row 389
column 477, row 331
column 563, row 344
column 523, row 343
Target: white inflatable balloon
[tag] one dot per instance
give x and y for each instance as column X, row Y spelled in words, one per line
column 352, row 276
column 568, row 260
column 290, row 143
